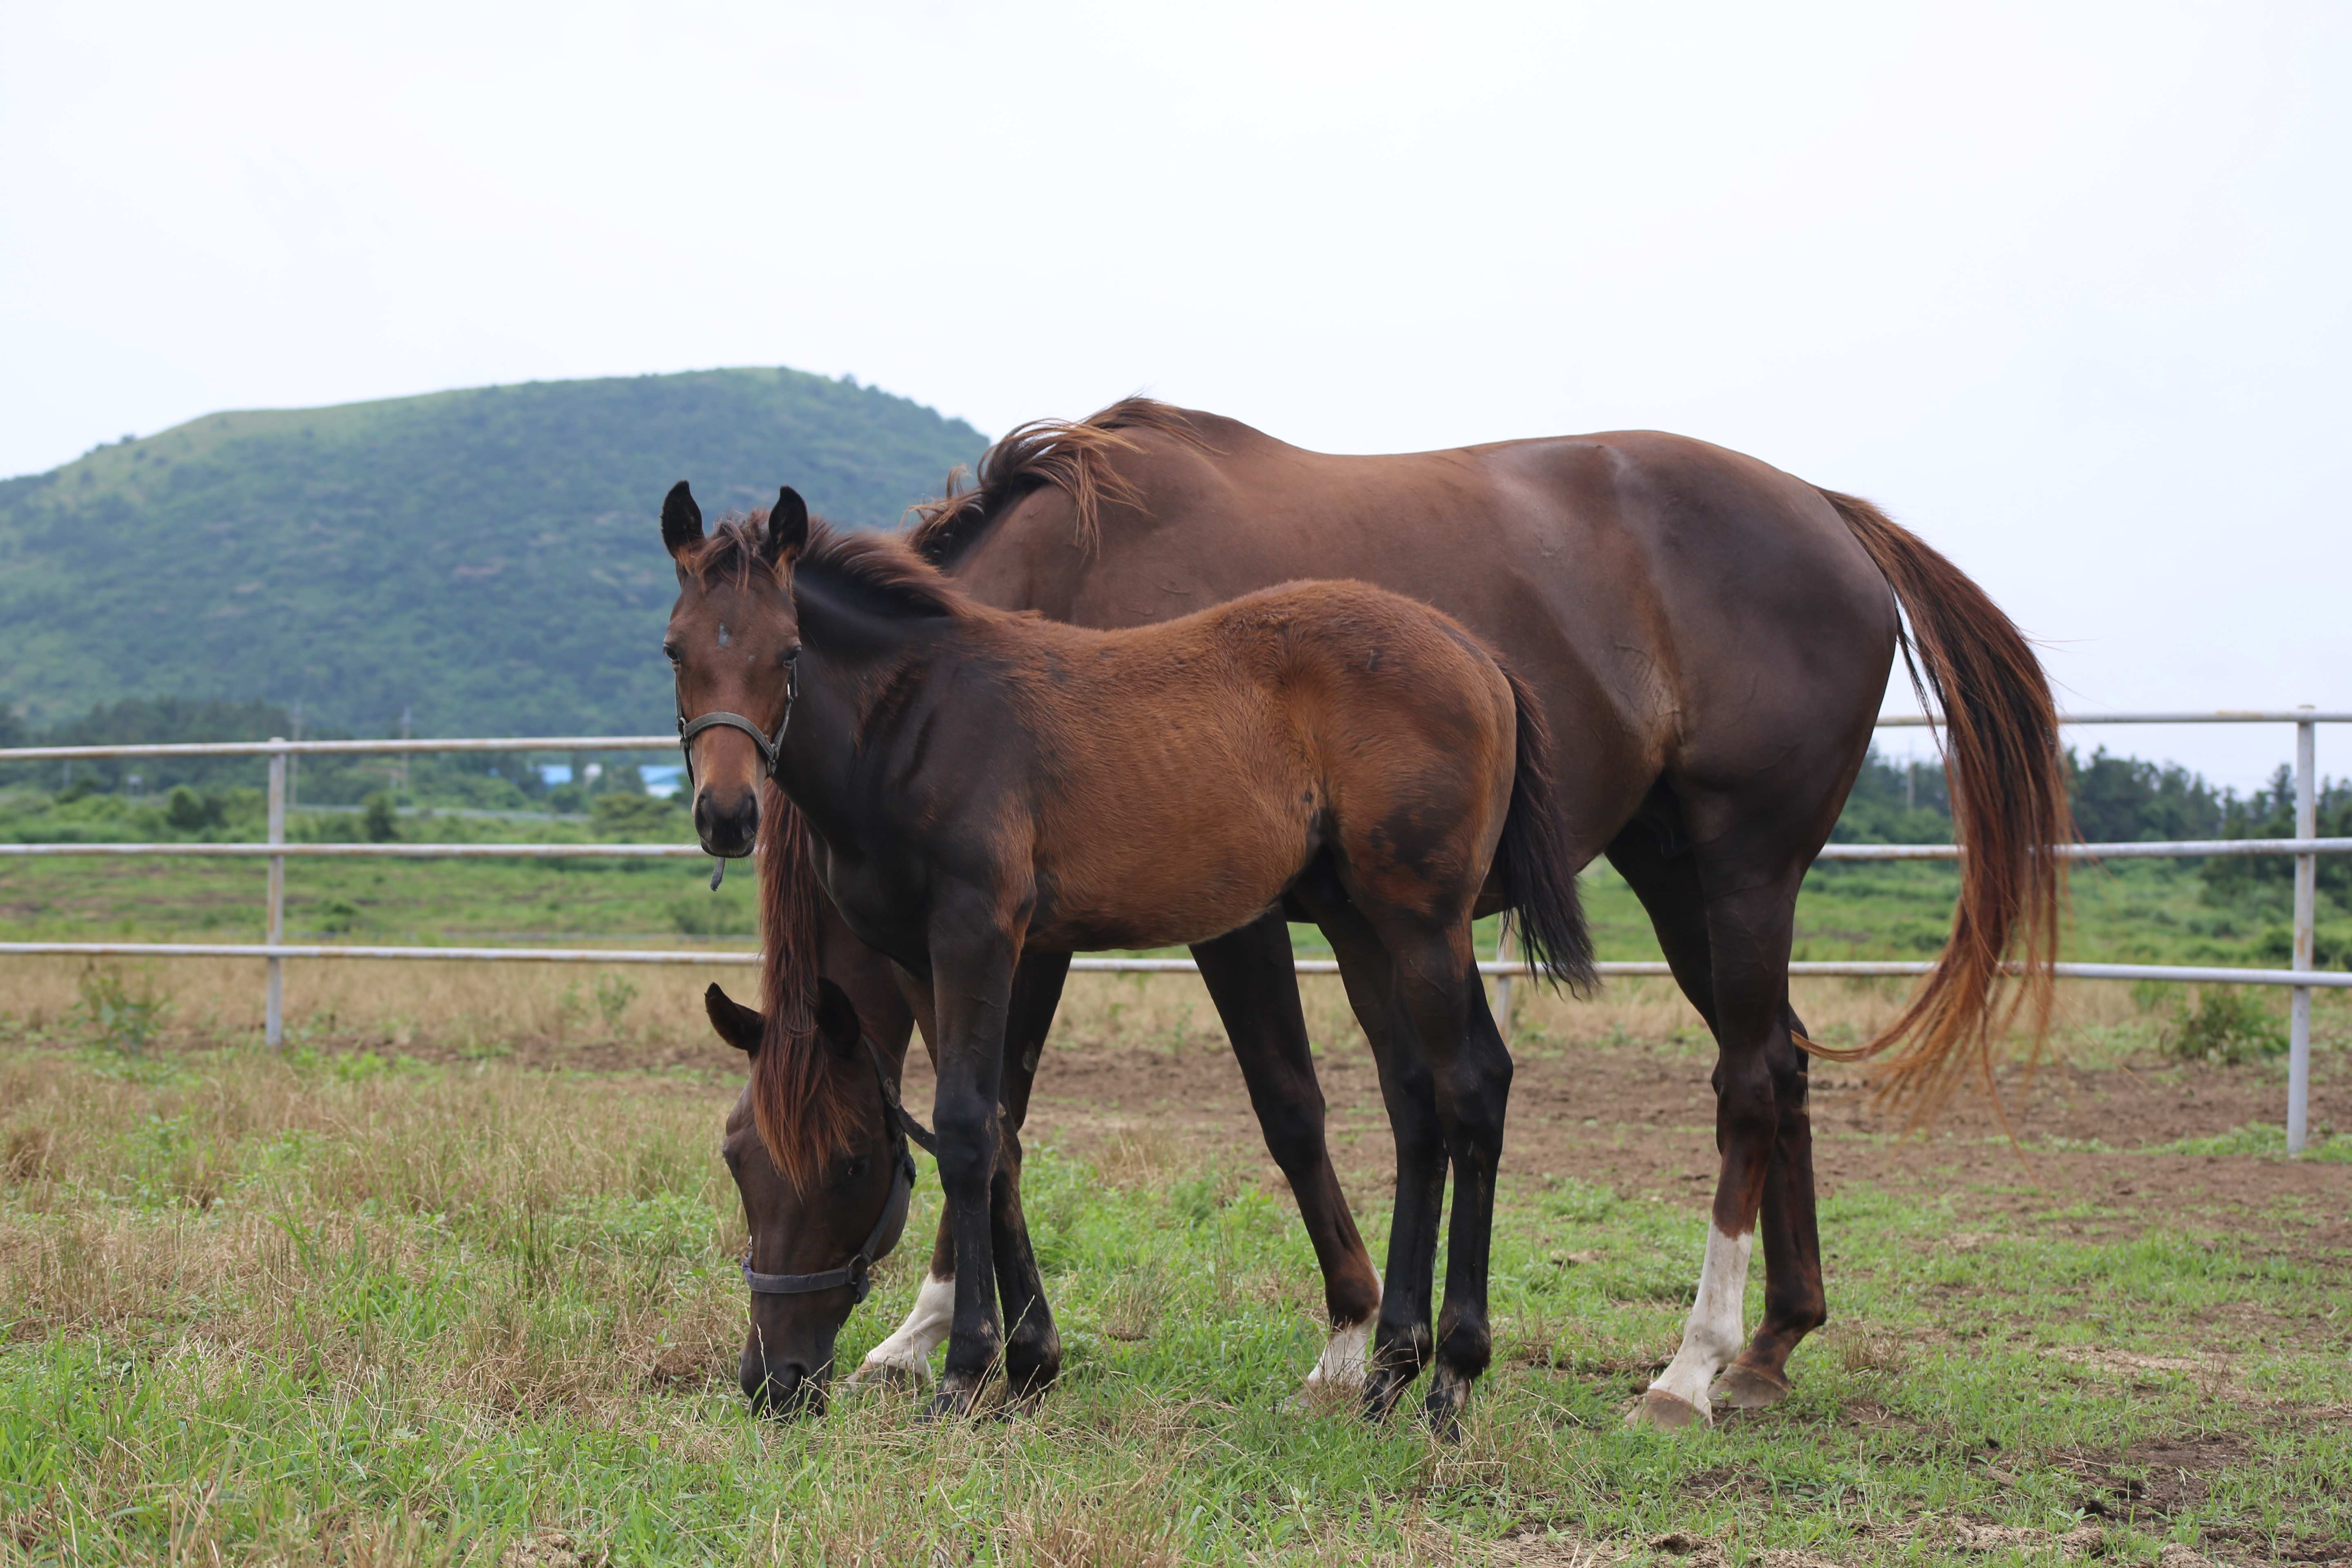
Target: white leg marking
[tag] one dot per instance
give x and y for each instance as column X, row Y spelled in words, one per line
column 1712, row 1336
column 909, row 1349
column 1342, row 1363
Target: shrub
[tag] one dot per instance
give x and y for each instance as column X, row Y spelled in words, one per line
column 115, row 1015
column 189, row 812
column 2229, row 1023
column 635, row 817
column 379, row 819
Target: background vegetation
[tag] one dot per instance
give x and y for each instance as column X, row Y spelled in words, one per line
column 489, row 556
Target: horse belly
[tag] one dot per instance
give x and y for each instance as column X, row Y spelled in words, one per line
column 1169, row 885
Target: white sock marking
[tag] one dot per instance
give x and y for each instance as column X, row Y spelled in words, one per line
column 909, row 1349
column 1341, row 1365
column 1711, row 1337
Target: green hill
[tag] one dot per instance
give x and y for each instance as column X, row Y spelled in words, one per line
column 490, row 556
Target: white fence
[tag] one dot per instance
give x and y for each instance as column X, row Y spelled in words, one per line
column 2299, row 978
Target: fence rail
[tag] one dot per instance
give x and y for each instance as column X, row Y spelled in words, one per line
column 2300, row 978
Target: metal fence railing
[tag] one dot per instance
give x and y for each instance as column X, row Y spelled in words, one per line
column 2300, row 977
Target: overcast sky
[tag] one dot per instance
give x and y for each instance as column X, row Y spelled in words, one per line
column 2062, row 286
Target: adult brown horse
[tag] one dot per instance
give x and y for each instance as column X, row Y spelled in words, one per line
column 1710, row 639
column 974, row 786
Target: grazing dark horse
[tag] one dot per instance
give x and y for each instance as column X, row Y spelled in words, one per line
column 972, row 786
column 1709, row 638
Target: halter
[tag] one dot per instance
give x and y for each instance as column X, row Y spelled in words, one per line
column 771, row 746
column 858, row 1273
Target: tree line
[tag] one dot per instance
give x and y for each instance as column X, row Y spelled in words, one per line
column 2122, row 800
column 203, row 785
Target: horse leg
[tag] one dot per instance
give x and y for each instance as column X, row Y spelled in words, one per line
column 904, row 1360
column 1252, row 979
column 1402, row 1343
column 1033, row 1348
column 1749, row 914
column 1795, row 1304
column 1471, row 1069
column 972, row 987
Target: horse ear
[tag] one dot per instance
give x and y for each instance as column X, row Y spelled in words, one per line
column 787, row 527
column 681, row 525
column 737, row 1025
column 836, row 1016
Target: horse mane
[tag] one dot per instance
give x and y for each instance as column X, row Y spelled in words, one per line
column 797, row 1102
column 1074, row 456
column 877, row 567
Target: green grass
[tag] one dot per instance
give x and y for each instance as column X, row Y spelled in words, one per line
column 356, row 1308
column 2143, row 911
column 2138, row 911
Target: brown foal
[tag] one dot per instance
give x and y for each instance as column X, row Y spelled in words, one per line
column 973, row 785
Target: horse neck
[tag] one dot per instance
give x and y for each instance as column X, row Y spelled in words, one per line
column 854, row 661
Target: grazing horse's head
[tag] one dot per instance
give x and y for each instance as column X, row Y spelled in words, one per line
column 732, row 640
column 813, row 1242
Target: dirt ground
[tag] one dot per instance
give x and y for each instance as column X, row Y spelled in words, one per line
column 1615, row 1093
column 1640, row 1119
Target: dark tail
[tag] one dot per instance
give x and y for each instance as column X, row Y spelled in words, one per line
column 2008, row 781
column 1536, row 866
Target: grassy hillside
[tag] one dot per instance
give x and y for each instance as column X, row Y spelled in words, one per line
column 490, row 555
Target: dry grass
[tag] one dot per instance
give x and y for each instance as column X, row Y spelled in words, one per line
column 494, row 1008
column 454, row 1004
column 1172, row 1012
column 254, row 1189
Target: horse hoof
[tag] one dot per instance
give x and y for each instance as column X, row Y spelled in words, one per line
column 1382, row 1390
column 886, row 1377
column 1663, row 1412
column 1448, row 1396
column 956, row 1399
column 1025, row 1394
column 1748, row 1388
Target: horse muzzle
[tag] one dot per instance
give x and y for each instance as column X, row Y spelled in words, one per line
column 784, row 1390
column 728, row 823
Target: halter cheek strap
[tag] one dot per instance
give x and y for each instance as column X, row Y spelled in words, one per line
column 858, row 1272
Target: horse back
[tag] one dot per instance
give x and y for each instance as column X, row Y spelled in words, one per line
column 1241, row 740
column 1678, row 608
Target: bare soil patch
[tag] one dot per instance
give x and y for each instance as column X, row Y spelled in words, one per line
column 1639, row 1117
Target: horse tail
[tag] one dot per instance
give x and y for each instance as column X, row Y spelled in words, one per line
column 795, row 1102
column 1537, row 870
column 2008, row 781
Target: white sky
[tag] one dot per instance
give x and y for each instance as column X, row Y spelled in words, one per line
column 2063, row 286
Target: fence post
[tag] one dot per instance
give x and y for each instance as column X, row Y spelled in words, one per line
column 1503, row 982
column 2306, row 910
column 274, row 1012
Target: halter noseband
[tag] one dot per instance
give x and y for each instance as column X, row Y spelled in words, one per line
column 771, row 746
column 858, row 1273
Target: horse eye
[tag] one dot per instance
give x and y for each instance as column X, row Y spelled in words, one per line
column 855, row 1170
column 670, row 652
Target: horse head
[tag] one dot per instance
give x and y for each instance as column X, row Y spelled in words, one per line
column 732, row 641
column 814, row 1243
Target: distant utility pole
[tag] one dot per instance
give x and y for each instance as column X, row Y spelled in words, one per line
column 1911, row 787
column 294, row 765
column 404, row 756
